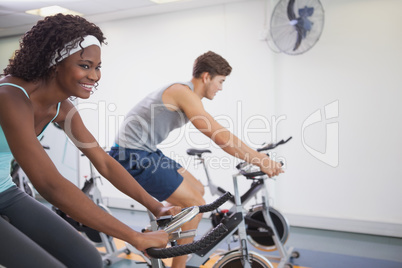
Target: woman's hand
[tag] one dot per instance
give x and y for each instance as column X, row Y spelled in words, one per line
column 156, row 239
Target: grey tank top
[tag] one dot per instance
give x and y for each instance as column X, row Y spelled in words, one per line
column 149, row 122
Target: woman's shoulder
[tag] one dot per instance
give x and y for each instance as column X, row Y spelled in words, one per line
column 10, row 86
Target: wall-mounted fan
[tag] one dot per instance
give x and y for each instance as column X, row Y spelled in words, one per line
column 296, row 25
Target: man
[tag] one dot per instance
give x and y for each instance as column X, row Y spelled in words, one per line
column 149, row 123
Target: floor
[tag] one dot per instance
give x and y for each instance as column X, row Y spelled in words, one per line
column 317, row 248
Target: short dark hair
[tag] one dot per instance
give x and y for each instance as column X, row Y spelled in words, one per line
column 48, row 37
column 211, row 63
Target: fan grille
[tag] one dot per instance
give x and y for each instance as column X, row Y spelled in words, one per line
column 284, row 32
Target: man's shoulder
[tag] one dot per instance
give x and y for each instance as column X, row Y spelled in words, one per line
column 182, row 96
column 180, row 87
column 178, row 90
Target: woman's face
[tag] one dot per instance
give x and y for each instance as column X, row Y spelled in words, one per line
column 78, row 74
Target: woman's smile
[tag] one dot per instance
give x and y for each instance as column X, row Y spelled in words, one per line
column 87, row 87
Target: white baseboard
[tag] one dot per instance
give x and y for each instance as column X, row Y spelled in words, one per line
column 345, row 225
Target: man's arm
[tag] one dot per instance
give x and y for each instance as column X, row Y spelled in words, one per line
column 187, row 101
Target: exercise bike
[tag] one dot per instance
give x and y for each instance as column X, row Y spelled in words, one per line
column 237, row 258
column 171, row 224
column 99, row 239
column 20, row 179
column 266, row 228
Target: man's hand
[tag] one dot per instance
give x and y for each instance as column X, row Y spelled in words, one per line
column 167, row 210
column 270, row 167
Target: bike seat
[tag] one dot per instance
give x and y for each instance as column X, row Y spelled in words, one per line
column 197, row 152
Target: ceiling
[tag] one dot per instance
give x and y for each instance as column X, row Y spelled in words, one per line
column 14, row 20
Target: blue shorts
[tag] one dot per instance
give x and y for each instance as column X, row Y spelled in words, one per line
column 154, row 171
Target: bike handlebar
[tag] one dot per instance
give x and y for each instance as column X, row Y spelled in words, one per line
column 271, row 146
column 253, row 174
column 217, row 203
column 200, row 244
column 179, row 250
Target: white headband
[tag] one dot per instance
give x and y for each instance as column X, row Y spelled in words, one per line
column 89, row 40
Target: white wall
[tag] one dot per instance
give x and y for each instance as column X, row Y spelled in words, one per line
column 353, row 71
column 354, row 67
column 8, row 45
column 161, row 49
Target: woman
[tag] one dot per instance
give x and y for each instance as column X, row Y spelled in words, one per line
column 58, row 58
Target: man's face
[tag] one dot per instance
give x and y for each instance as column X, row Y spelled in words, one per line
column 214, row 85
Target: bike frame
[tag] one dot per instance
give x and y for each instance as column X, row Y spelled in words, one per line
column 239, row 201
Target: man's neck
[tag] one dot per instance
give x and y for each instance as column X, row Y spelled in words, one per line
column 198, row 87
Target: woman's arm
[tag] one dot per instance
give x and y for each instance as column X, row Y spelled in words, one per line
column 17, row 122
column 106, row 165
